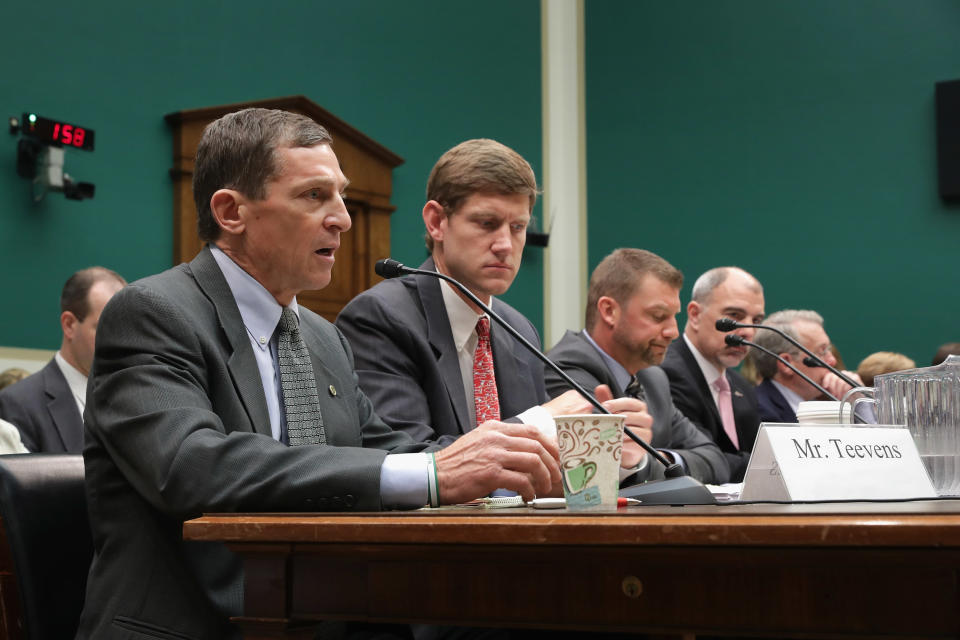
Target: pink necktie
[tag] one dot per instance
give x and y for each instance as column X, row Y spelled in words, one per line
column 485, row 399
column 725, row 404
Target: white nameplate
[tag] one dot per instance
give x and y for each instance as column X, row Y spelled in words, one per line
column 831, row 462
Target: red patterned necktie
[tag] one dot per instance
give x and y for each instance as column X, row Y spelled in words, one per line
column 485, row 399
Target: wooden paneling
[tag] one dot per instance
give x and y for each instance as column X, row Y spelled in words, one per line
column 813, row 571
column 367, row 164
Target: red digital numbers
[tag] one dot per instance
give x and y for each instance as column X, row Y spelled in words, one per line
column 68, row 134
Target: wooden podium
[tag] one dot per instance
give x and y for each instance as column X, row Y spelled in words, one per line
column 368, row 164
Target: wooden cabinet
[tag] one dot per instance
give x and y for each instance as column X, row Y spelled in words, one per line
column 368, row 164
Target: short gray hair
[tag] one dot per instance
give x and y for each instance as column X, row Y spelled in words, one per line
column 766, row 365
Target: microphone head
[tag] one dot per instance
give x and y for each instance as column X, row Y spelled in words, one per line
column 810, row 361
column 388, row 268
column 733, row 339
column 727, row 324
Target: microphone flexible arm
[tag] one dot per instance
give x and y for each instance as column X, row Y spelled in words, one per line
column 388, row 268
column 812, row 360
column 735, row 341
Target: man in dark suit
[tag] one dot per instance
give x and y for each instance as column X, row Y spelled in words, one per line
column 703, row 383
column 782, row 390
column 416, row 339
column 47, row 407
column 212, row 390
column 632, row 304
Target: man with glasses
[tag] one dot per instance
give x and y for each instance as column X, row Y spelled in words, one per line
column 782, row 390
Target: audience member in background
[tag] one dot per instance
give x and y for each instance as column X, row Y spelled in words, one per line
column 703, row 383
column 10, row 441
column 945, row 350
column 11, row 376
column 47, row 407
column 882, row 362
column 782, row 390
column 632, row 304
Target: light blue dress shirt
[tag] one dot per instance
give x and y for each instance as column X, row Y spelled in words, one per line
column 403, row 477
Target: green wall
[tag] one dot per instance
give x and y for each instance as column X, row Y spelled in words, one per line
column 795, row 139
column 417, row 76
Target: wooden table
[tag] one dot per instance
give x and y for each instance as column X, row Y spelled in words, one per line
column 818, row 571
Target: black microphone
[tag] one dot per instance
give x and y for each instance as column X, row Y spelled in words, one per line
column 678, row 488
column 812, row 360
column 735, row 341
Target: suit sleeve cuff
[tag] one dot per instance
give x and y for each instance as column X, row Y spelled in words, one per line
column 403, row 481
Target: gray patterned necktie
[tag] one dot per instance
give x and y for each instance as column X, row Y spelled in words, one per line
column 635, row 389
column 300, row 401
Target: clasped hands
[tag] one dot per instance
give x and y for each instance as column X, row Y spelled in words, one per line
column 501, row 455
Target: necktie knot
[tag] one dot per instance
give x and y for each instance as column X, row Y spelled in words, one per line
column 483, row 328
column 721, row 384
column 288, row 321
column 635, row 389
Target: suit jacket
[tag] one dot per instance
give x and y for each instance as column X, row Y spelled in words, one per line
column 692, row 396
column 671, row 430
column 408, row 365
column 43, row 408
column 177, row 425
column 773, row 406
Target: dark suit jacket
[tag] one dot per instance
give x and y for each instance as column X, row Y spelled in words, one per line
column 773, row 406
column 671, row 430
column 42, row 407
column 407, row 360
column 692, row 396
column 177, row 425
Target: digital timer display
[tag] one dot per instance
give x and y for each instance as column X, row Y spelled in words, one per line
column 58, row 133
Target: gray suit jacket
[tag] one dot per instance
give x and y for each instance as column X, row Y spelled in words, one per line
column 407, row 360
column 42, row 407
column 671, row 430
column 177, row 425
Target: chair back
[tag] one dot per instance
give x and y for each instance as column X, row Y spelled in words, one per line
column 43, row 508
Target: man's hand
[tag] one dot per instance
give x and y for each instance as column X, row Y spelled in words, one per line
column 568, row 403
column 636, row 419
column 836, row 386
column 497, row 455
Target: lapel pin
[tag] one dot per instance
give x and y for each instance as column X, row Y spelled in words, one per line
column 737, row 393
column 333, row 390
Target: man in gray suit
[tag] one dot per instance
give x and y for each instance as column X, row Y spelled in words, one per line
column 213, row 391
column 47, row 407
column 632, row 304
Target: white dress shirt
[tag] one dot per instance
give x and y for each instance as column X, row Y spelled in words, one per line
column 75, row 380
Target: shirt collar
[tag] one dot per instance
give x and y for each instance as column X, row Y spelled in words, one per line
column 792, row 397
column 710, row 372
column 620, row 374
column 75, row 380
column 463, row 319
column 259, row 310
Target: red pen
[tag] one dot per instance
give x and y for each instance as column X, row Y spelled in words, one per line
column 623, row 502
